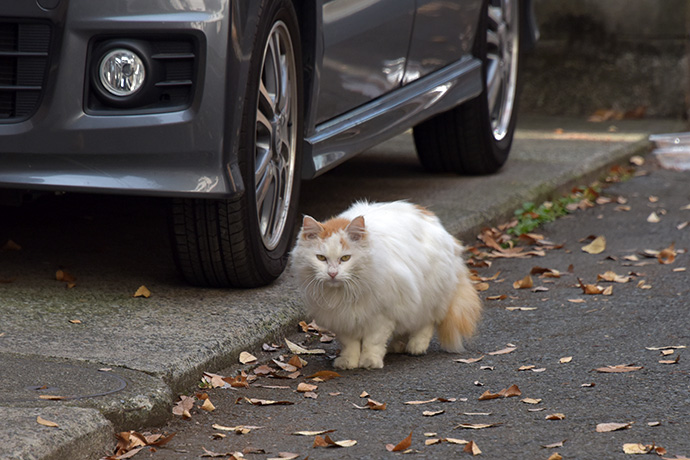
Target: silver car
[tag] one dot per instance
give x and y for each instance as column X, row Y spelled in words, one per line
column 224, row 105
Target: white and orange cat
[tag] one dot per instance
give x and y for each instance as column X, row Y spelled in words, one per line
column 383, row 277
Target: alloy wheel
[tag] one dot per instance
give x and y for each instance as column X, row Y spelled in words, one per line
column 275, row 135
column 502, row 63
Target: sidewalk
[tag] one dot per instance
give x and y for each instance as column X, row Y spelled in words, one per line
column 122, row 365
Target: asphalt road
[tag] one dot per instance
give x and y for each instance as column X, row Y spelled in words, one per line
column 554, row 323
column 55, row 340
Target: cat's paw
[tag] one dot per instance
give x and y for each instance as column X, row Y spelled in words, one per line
column 371, row 362
column 396, row 346
column 416, row 347
column 344, row 362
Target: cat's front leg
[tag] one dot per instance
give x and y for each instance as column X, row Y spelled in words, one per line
column 374, row 346
column 350, row 354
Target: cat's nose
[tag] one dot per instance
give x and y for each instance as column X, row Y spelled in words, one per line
column 332, row 273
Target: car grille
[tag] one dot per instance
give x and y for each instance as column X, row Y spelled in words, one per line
column 23, row 64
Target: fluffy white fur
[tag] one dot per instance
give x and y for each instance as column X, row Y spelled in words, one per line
column 385, row 272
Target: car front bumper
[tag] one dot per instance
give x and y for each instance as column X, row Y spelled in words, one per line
column 186, row 151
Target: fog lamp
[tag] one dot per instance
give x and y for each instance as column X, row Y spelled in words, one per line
column 122, row 72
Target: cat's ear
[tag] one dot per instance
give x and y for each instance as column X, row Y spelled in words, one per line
column 356, row 230
column 310, row 228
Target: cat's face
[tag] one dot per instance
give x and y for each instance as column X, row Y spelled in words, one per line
column 333, row 251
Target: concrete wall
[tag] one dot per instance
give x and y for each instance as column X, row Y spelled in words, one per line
column 609, row 54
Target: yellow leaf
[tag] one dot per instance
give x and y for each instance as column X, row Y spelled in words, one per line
column 41, row 421
column 597, row 246
column 142, row 292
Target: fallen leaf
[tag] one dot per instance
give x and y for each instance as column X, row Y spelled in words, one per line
column 324, row 375
column 590, row 289
column 372, row 405
column 669, row 347
column 299, row 350
column 364, row 394
column 142, row 292
column 503, row 351
column 637, row 160
column 476, row 426
column 183, row 407
column 306, row 387
column 597, row 246
column 230, row 455
column 612, row 277
column 554, row 445
column 413, row 403
column 556, row 416
column 208, row 406
column 481, row 287
column 267, row 402
column 468, row 360
column 497, row 297
column 608, row 427
column 670, row 361
column 555, row 456
column 246, row 358
column 545, row 272
column 41, row 421
column 530, row 401
column 312, row 433
column 51, row 397
column 489, row 395
column 637, row 448
column 526, row 368
column 511, row 391
column 284, row 456
column 472, row 448
column 619, row 368
column 667, row 256
column 402, row 445
column 565, row 360
column 524, row 283
column 11, row 246
column 239, row 429
column 297, row 362
column 429, row 413
column 653, row 218
column 576, row 300
column 521, row 308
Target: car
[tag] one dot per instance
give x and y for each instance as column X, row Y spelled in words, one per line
column 226, row 105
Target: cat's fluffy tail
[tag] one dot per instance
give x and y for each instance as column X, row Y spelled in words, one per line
column 462, row 316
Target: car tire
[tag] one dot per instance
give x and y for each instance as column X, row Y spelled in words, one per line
column 244, row 242
column 475, row 137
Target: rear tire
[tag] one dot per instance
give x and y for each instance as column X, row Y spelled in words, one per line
column 244, row 242
column 475, row 138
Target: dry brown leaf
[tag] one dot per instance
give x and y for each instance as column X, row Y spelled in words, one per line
column 324, row 375
column 670, row 361
column 183, row 407
column 11, row 246
column 402, row 445
column 554, row 445
column 51, row 397
column 41, row 421
column 612, row 277
column 299, row 350
column 620, row 368
column 267, row 402
column 312, row 433
column 634, row 448
column 297, row 362
column 530, row 401
column 372, row 405
column 208, row 406
column 476, row 426
column 472, row 448
column 481, row 287
column 503, row 351
column 511, row 391
column 246, row 357
column 555, row 456
column 524, row 283
column 608, row 427
column 432, row 413
column 497, row 297
column 556, row 416
column 306, row 387
column 545, row 272
column 597, row 246
column 565, row 359
column 668, row 255
column 142, row 292
column 468, row 360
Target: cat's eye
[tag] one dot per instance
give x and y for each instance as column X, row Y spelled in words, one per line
column 322, row 258
column 345, row 258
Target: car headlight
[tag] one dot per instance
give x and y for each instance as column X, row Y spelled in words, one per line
column 122, row 72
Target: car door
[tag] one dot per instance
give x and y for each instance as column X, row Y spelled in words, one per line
column 365, row 44
column 443, row 33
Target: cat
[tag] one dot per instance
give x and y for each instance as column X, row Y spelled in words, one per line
column 382, row 277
